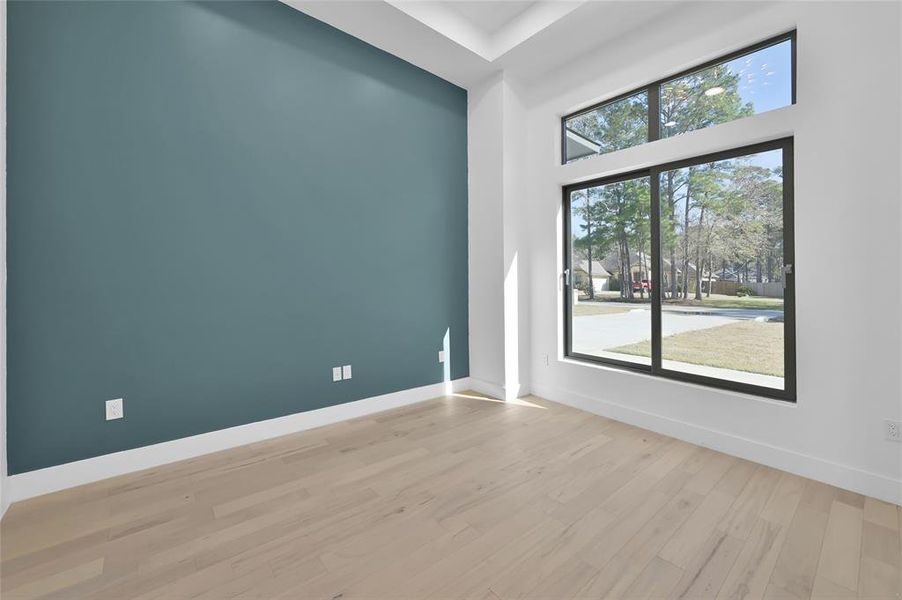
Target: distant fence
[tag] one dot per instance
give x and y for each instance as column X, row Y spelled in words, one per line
column 770, row 289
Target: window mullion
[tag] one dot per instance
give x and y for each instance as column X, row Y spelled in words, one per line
column 789, row 295
column 655, row 216
column 654, row 119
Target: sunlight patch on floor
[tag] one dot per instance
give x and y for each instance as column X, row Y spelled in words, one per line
column 516, row 402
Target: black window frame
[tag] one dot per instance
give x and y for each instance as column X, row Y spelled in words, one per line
column 653, row 90
column 788, row 393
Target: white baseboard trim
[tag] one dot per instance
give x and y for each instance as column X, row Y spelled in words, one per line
column 495, row 390
column 843, row 476
column 60, row 477
column 4, row 494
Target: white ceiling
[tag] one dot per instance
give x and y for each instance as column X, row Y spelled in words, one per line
column 464, row 41
column 489, row 16
column 488, row 28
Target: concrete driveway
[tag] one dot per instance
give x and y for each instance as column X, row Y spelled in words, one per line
column 603, row 332
column 592, row 334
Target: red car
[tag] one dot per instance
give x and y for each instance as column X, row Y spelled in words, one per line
column 640, row 286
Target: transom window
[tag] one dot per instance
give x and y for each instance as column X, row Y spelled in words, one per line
column 751, row 81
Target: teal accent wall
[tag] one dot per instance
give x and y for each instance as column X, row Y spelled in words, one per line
column 210, row 205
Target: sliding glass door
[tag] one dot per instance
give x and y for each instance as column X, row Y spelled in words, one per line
column 685, row 270
column 610, row 235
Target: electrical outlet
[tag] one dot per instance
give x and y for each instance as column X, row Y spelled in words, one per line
column 346, row 372
column 893, row 430
column 336, row 373
column 114, row 409
column 546, row 360
column 441, row 356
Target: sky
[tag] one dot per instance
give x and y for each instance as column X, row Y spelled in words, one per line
column 766, row 77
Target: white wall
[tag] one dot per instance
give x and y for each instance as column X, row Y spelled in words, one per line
column 498, row 278
column 485, row 235
column 516, row 245
column 847, row 216
column 4, row 487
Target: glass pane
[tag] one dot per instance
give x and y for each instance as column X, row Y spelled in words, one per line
column 611, row 271
column 722, row 280
column 751, row 84
column 609, row 127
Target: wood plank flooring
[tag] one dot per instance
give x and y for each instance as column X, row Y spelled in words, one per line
column 460, row 497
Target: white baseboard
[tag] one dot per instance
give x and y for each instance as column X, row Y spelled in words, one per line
column 4, row 494
column 843, row 476
column 43, row 481
column 495, row 390
column 60, row 477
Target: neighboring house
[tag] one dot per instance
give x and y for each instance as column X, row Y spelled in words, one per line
column 640, row 268
column 643, row 268
column 600, row 276
column 692, row 272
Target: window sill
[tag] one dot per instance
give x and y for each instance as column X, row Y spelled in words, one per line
column 751, row 130
column 626, row 371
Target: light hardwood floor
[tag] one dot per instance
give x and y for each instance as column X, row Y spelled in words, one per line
column 456, row 497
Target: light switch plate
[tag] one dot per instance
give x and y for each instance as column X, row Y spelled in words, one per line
column 346, row 372
column 114, row 409
column 336, row 373
column 441, row 356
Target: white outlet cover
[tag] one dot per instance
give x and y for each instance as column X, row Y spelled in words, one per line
column 441, row 356
column 346, row 372
column 114, row 409
column 336, row 373
column 893, row 430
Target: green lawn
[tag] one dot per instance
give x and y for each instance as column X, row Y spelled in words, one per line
column 615, row 297
column 721, row 301
column 713, row 301
column 750, row 346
